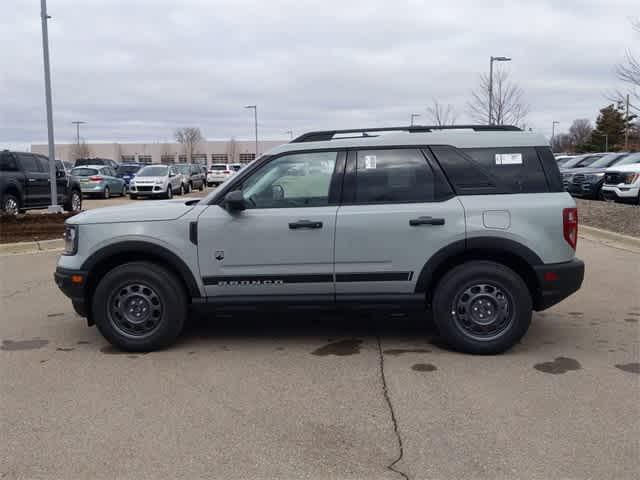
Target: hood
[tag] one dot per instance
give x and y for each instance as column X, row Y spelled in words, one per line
column 634, row 167
column 584, row 170
column 135, row 212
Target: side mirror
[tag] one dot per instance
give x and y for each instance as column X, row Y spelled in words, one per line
column 172, row 174
column 234, row 201
column 60, row 173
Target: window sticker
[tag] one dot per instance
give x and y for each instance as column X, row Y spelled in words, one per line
column 369, row 162
column 508, row 159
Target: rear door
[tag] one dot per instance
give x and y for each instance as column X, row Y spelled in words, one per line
column 397, row 212
column 37, row 179
column 282, row 244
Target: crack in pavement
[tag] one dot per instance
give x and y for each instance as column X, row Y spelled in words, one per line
column 394, row 421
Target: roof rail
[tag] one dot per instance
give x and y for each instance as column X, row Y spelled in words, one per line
column 324, row 135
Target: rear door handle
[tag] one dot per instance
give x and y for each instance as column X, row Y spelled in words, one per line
column 304, row 224
column 32, row 179
column 414, row 222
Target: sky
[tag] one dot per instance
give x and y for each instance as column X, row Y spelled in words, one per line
column 137, row 70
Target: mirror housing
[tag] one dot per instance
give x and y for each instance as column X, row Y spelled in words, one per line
column 61, row 174
column 234, row 201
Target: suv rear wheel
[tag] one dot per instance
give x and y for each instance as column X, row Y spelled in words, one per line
column 482, row 307
column 10, row 204
column 74, row 202
column 140, row 307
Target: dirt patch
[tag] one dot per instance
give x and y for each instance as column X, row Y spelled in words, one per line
column 615, row 217
column 31, row 228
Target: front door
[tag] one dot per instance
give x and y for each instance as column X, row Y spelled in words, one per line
column 282, row 243
column 397, row 212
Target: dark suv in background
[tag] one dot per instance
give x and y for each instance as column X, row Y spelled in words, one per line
column 126, row 171
column 25, row 184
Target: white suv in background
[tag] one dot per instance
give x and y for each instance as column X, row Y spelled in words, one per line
column 218, row 173
column 622, row 181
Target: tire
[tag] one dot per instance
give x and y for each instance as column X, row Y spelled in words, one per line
column 189, row 187
column 169, row 193
column 488, row 288
column 120, row 300
column 74, row 202
column 201, row 186
column 133, row 197
column 107, row 193
column 10, row 204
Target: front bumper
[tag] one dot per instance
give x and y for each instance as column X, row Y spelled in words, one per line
column 150, row 190
column 622, row 191
column 556, row 281
column 67, row 281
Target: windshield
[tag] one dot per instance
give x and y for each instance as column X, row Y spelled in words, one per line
column 218, row 167
column 581, row 161
column 629, row 160
column 153, row 171
column 84, row 172
column 88, row 161
column 608, row 160
column 127, row 169
column 182, row 168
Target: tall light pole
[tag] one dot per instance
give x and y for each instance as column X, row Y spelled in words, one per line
column 553, row 131
column 606, row 139
column 53, row 207
column 255, row 122
column 77, row 123
column 414, row 115
column 493, row 59
column 290, row 133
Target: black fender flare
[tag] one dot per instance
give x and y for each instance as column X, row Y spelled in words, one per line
column 482, row 246
column 145, row 250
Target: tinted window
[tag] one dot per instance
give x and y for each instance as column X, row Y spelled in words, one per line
column 629, row 160
column 84, row 172
column 587, row 161
column 608, row 160
column 297, row 180
column 153, row 171
column 7, row 162
column 393, row 176
column 127, row 169
column 29, row 162
column 466, row 176
column 218, row 167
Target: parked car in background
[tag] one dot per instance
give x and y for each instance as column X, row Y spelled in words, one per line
column 562, row 159
column 99, row 180
column 156, row 181
column 587, row 181
column 126, row 171
column 96, row 161
column 25, row 184
column 235, row 167
column 622, row 181
column 581, row 161
column 218, row 173
column 192, row 177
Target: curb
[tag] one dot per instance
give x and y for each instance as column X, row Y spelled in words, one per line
column 610, row 238
column 31, row 247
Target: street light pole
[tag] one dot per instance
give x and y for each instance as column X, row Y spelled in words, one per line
column 290, row 133
column 414, row 115
column 255, row 122
column 553, row 131
column 53, row 207
column 493, row 59
column 77, row 123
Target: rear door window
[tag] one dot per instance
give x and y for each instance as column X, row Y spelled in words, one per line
column 7, row 162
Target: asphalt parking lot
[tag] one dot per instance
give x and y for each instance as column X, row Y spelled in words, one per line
column 322, row 395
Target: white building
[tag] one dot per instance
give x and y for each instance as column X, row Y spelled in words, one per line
column 207, row 152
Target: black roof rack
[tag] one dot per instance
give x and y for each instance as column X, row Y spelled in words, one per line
column 325, row 135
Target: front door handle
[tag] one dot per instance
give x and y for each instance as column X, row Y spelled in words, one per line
column 414, row 222
column 32, row 179
column 304, row 224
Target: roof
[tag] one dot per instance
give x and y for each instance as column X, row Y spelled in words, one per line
column 456, row 138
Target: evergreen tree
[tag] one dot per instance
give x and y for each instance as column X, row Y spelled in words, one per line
column 609, row 129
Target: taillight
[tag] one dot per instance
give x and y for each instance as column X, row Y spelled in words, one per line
column 95, row 178
column 570, row 226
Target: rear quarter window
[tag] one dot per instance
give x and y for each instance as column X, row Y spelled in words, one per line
column 482, row 171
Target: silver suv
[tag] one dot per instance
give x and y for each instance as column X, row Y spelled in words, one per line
column 468, row 224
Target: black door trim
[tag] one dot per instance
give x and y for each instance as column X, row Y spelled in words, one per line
column 258, row 280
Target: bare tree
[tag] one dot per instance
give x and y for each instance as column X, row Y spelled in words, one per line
column 80, row 150
column 562, row 142
column 189, row 137
column 580, row 131
column 509, row 105
column 629, row 71
column 442, row 115
column 232, row 148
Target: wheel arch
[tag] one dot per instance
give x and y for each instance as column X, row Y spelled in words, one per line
column 510, row 253
column 111, row 256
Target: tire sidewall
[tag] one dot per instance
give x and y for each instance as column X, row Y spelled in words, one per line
column 107, row 193
column 482, row 271
column 168, row 288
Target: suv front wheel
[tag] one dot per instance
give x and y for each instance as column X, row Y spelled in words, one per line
column 140, row 307
column 482, row 307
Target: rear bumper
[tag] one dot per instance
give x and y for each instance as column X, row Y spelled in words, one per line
column 557, row 281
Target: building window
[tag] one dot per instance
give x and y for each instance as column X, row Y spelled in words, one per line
column 127, row 158
column 200, row 158
column 219, row 158
column 247, row 157
column 182, row 158
column 144, row 158
column 167, row 159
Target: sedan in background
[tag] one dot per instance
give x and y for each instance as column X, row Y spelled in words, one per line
column 156, row 181
column 98, row 180
column 126, row 171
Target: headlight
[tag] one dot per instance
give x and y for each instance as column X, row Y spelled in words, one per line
column 70, row 237
column 594, row 177
column 631, row 178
